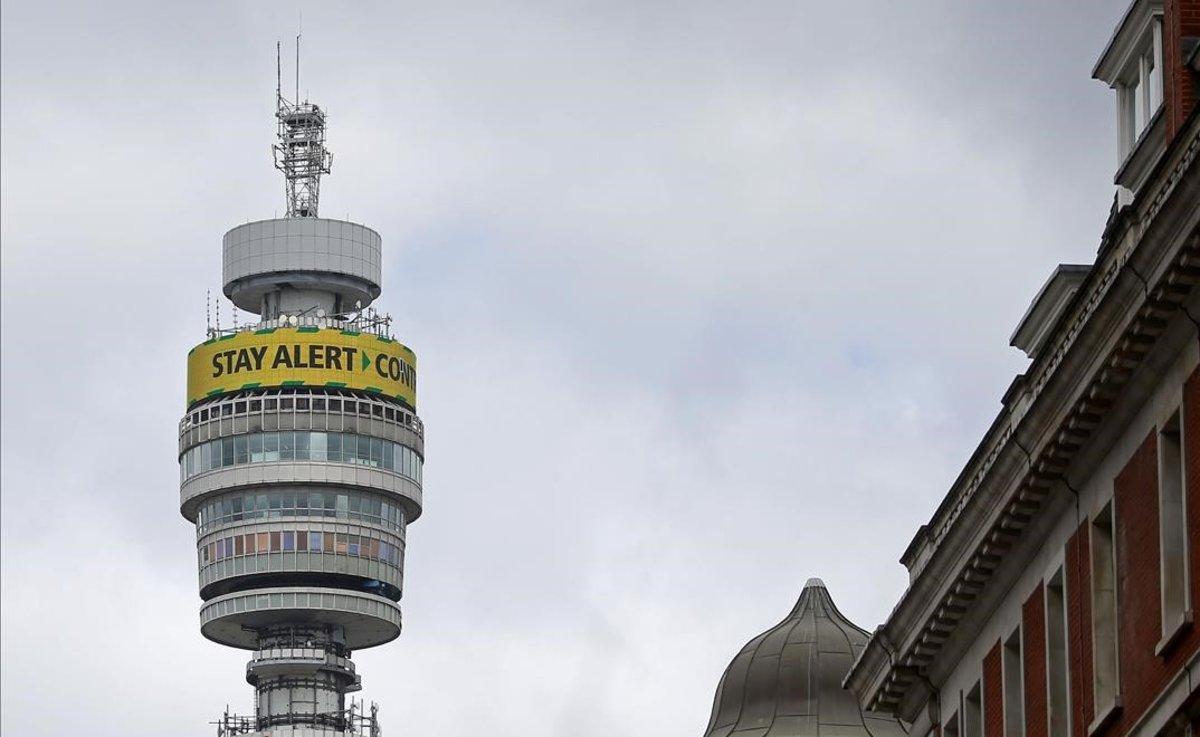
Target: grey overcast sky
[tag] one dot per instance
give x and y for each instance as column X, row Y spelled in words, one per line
column 708, row 298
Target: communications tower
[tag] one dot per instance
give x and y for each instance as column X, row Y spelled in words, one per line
column 300, row 455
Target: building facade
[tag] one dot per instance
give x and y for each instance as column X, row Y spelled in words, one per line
column 1053, row 591
column 301, row 455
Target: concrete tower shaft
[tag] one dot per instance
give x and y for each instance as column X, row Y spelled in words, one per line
column 301, row 465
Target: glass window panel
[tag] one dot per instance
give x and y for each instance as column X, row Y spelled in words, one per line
column 327, row 546
column 270, row 446
column 335, row 405
column 364, row 408
column 263, row 542
column 206, row 456
column 255, row 405
column 376, row 452
column 318, row 446
column 340, row 543
column 240, row 451
column 318, row 404
column 274, row 541
column 314, row 541
column 377, row 410
column 271, row 404
column 289, row 541
column 240, row 407
column 364, row 450
column 287, row 446
column 352, row 545
column 250, row 544
column 260, row 505
column 285, row 404
column 389, row 455
column 314, row 500
column 334, row 450
column 256, row 448
column 289, row 500
column 301, row 541
column 302, row 403
column 302, row 438
column 239, row 547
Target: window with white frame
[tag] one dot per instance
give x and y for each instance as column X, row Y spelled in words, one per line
column 1058, row 710
column 1172, row 528
column 1140, row 88
column 950, row 726
column 1104, row 612
column 1012, row 661
column 972, row 712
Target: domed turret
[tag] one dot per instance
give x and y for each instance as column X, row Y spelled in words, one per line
column 787, row 682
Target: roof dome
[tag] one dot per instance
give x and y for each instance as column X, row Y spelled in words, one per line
column 787, row 682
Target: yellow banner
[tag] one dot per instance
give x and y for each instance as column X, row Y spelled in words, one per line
column 303, row 356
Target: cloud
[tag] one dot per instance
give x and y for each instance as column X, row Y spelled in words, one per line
column 707, row 299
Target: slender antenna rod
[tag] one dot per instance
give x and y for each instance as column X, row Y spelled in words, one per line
column 297, row 98
column 278, row 78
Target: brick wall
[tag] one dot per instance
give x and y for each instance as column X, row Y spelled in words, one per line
column 1139, row 622
column 1033, row 646
column 1181, row 18
column 993, row 694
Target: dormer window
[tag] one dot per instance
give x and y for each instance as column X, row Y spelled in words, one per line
column 1132, row 64
column 1139, row 91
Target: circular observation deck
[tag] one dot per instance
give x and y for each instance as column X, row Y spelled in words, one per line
column 234, row 619
column 304, row 256
column 270, row 441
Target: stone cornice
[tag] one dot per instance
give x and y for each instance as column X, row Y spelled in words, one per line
column 1148, row 264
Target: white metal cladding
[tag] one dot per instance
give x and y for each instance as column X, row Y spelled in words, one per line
column 369, row 620
column 364, row 478
column 302, row 244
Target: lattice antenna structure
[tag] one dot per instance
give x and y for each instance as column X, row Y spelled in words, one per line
column 300, row 152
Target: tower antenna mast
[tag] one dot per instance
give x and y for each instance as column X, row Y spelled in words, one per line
column 300, row 151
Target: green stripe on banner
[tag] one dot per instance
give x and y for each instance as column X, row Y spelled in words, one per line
column 252, row 385
column 308, row 329
column 228, row 337
column 264, row 331
column 335, row 384
column 292, row 383
column 383, row 339
column 215, row 392
column 351, row 332
column 373, row 390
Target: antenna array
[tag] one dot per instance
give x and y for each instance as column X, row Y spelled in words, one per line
column 300, row 152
